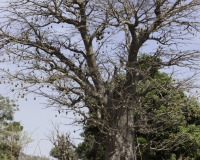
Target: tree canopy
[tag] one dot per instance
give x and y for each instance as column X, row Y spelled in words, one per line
column 73, row 51
column 9, row 128
column 12, row 136
column 165, row 119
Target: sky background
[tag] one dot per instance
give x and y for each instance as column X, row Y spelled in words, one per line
column 37, row 119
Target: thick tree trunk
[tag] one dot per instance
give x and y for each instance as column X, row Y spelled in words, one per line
column 120, row 146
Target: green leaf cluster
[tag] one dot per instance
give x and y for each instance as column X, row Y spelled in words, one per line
column 9, row 130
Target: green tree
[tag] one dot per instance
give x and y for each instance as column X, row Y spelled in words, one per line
column 176, row 131
column 92, row 147
column 58, row 153
column 62, row 149
column 12, row 139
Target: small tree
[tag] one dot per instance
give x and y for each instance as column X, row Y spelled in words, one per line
column 12, row 139
column 62, row 147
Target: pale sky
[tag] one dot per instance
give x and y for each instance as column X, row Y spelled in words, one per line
column 37, row 121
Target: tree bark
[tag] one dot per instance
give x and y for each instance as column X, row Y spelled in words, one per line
column 121, row 145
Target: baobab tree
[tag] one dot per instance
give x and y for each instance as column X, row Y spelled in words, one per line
column 74, row 51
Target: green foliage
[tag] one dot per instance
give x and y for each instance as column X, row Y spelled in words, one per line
column 57, row 154
column 92, row 148
column 63, row 148
column 171, row 119
column 149, row 64
column 10, row 130
column 7, row 109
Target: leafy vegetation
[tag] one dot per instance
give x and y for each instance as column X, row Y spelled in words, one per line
column 12, row 137
column 172, row 121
